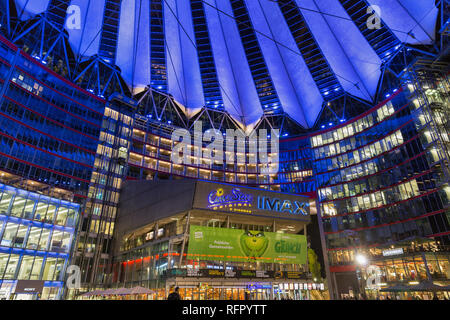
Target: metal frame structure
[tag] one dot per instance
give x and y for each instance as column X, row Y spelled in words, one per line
column 52, row 48
column 45, row 38
column 98, row 73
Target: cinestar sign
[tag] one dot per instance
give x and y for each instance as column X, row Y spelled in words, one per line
column 280, row 205
column 220, row 198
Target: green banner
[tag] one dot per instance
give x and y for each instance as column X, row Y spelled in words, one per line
column 208, row 243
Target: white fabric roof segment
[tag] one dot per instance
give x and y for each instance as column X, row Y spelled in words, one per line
column 86, row 41
column 182, row 59
column 225, row 74
column 335, row 49
column 174, row 60
column 27, row 9
column 126, row 40
column 238, row 88
column 404, row 16
column 297, row 90
column 277, row 69
column 350, row 56
column 141, row 45
column 360, row 53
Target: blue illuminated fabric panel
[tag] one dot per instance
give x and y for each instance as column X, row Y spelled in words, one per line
column 248, row 57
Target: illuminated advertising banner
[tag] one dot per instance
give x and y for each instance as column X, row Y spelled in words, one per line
column 223, row 244
column 241, row 200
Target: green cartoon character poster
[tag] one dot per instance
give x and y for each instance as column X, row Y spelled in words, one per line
column 207, row 243
column 254, row 243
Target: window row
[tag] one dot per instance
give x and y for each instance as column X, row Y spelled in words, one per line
column 46, row 109
column 376, row 199
column 378, row 182
column 56, row 91
column 44, row 125
column 39, row 158
column 376, row 218
column 14, row 266
column 22, row 204
column 27, row 236
column 31, row 172
column 388, row 160
column 362, row 154
column 386, row 177
column 355, row 127
column 383, row 234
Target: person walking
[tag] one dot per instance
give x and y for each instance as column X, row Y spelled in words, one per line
column 174, row 295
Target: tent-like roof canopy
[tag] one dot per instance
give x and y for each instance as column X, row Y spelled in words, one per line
column 248, row 57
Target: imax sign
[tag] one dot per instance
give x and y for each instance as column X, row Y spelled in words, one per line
column 280, row 205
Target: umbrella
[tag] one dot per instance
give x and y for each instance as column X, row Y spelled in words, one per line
column 141, row 290
column 92, row 293
column 428, row 286
column 109, row 292
column 396, row 288
column 423, row 286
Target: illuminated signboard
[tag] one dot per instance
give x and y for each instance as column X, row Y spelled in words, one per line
column 255, row 286
column 232, row 273
column 392, row 252
column 220, row 199
column 280, row 205
column 250, row 201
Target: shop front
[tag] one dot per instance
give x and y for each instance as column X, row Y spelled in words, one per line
column 417, row 268
column 212, row 289
column 216, row 284
column 30, row 290
column 214, row 241
column 403, row 275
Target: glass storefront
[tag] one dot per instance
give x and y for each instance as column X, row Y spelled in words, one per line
column 247, row 291
column 414, row 268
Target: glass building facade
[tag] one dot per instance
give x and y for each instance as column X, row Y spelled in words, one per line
column 151, row 154
column 49, row 135
column 110, row 167
column 64, row 142
column 379, row 170
column 37, row 233
column 382, row 181
column 49, row 128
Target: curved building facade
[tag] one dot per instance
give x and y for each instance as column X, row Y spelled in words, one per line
column 382, row 183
